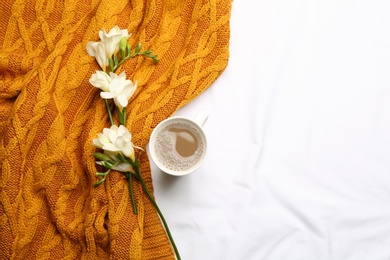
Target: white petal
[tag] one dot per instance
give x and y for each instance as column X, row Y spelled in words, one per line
column 115, row 30
column 113, row 86
column 122, row 76
column 128, row 150
column 129, row 91
column 106, row 131
column 125, row 33
column 97, row 143
column 132, row 89
column 122, row 101
column 101, row 56
column 110, row 45
column 103, row 139
column 112, row 155
column 91, row 48
column 113, row 75
column 114, row 128
column 120, row 143
column 113, row 133
column 101, row 34
column 127, row 137
column 123, row 167
column 111, row 40
column 100, row 80
column 106, row 95
column 111, row 148
column 122, row 130
column 101, row 75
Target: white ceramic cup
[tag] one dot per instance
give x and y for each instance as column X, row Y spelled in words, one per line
column 178, row 145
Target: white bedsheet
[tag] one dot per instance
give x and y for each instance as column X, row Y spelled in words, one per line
column 298, row 165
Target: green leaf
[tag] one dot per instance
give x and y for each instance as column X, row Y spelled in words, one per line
column 99, row 182
column 133, row 202
column 136, row 163
column 138, row 48
column 123, row 43
column 116, row 60
column 109, row 111
column 107, row 165
column 122, row 54
column 101, row 174
column 128, row 160
column 112, row 162
column 121, row 157
column 101, row 156
column 154, row 58
column 122, row 116
column 128, row 49
column 111, row 64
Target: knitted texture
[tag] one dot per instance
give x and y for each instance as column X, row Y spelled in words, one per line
column 49, row 114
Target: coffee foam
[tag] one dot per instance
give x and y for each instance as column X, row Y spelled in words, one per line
column 164, row 148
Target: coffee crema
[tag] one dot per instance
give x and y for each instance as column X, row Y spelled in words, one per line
column 179, row 146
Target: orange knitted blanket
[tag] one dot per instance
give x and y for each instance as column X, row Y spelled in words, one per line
column 49, row 114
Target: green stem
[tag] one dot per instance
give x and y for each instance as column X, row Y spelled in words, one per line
column 101, row 181
column 138, row 174
column 146, row 54
column 109, row 111
column 115, row 67
column 122, row 116
column 130, row 177
column 118, row 63
column 104, row 174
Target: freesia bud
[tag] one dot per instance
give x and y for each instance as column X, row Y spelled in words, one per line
column 97, row 50
column 112, row 39
column 123, row 44
column 101, row 156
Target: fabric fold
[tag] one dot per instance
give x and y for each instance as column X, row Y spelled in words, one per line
column 49, row 114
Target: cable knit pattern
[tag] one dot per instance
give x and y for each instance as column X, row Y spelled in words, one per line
column 49, row 114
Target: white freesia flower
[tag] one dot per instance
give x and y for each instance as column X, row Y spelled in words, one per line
column 115, row 140
column 98, row 50
column 101, row 80
column 120, row 89
column 111, row 40
column 108, row 46
column 114, row 86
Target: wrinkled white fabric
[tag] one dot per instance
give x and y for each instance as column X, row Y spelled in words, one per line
column 298, row 163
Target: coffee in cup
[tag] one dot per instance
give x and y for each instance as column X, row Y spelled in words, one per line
column 178, row 145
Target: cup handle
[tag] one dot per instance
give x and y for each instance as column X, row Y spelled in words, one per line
column 201, row 118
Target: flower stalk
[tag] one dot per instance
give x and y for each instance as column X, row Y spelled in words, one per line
column 118, row 150
column 137, row 174
column 133, row 202
column 160, row 215
column 109, row 112
column 122, row 116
